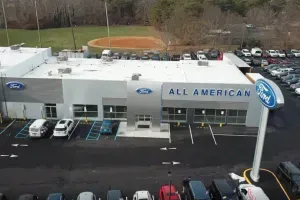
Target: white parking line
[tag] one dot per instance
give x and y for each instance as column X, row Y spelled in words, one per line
column 191, row 134
column 212, row 134
column 74, row 129
column 233, row 135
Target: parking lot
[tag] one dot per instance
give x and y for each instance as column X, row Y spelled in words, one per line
column 89, row 161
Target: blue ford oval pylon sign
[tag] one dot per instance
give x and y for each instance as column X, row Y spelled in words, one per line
column 269, row 93
column 144, row 91
column 15, row 85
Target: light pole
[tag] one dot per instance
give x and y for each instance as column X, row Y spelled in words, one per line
column 71, row 24
column 107, row 24
column 271, row 97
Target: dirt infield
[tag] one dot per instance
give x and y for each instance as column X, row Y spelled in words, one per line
column 150, row 43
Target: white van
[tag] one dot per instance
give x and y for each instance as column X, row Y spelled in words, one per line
column 251, row 192
column 39, row 128
column 256, row 52
column 106, row 54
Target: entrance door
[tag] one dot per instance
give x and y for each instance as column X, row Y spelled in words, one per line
column 51, row 111
column 143, row 121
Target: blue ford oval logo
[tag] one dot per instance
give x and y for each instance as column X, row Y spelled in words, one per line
column 266, row 94
column 144, row 91
column 15, row 85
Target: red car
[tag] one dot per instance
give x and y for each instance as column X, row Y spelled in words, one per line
column 164, row 193
column 273, row 61
column 265, row 54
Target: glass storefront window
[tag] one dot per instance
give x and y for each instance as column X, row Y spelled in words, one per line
column 91, row 110
column 174, row 114
column 114, row 112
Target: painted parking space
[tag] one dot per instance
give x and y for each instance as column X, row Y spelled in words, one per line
column 94, row 132
column 271, row 185
column 24, row 132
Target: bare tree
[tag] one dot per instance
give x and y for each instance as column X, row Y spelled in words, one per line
column 260, row 16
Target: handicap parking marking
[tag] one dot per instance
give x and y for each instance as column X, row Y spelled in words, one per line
column 24, row 132
column 94, row 132
column 246, row 176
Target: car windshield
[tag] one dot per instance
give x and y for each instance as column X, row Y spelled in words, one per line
column 296, row 177
column 272, row 51
column 60, row 129
column 246, row 50
column 62, row 122
column 295, row 51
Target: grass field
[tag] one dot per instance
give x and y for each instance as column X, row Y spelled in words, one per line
column 61, row 38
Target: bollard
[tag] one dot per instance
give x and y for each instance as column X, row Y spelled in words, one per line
column 178, row 124
column 202, row 124
column 221, row 125
column 25, row 118
column 86, row 120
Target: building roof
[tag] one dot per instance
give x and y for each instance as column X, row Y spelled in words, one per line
column 234, row 60
column 42, row 65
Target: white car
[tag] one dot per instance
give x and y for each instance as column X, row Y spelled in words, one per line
column 280, row 71
column 280, row 53
column 142, row 195
column 200, row 53
column 264, row 62
column 186, row 56
column 273, row 53
column 202, row 57
column 251, row 192
column 246, row 52
column 297, row 91
column 63, row 128
column 296, row 53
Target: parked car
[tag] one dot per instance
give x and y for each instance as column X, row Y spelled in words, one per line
column 107, row 127
column 56, row 196
column 166, row 57
column 297, row 91
column 155, row 56
column 273, row 61
column 125, row 56
column 202, row 57
column 289, row 77
column 142, row 195
column 214, row 53
column 249, row 192
column 270, row 67
column 280, row 71
column 117, row 56
column 281, row 54
column 265, row 54
column 273, row 68
column 247, row 60
column 63, row 128
column 114, row 195
column 175, row 57
column 256, row 52
column 291, row 173
column 168, row 192
column 145, row 57
column 294, row 71
column 264, row 62
column 296, row 53
column 294, row 87
column 256, row 61
column 133, row 56
column 40, row 128
column 2, row 197
column 221, row 190
column 186, row 56
column 238, row 53
column 86, row 196
column 288, row 53
column 28, row 197
column 194, row 190
column 246, row 53
column 200, row 53
column 294, row 80
column 273, row 53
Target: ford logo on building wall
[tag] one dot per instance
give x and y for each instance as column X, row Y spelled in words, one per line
column 266, row 94
column 15, row 85
column 144, row 91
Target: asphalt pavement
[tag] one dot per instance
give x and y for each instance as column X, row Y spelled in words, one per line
column 74, row 165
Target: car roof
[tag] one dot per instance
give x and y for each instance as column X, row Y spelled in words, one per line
column 55, row 196
column 114, row 194
column 106, row 51
column 291, row 166
column 26, row 197
column 143, row 194
column 86, row 196
column 198, row 189
column 223, row 186
column 37, row 123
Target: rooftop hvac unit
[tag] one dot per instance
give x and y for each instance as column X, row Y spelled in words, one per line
column 135, row 76
column 62, row 58
column 15, row 47
column 50, row 73
column 64, row 70
column 202, row 63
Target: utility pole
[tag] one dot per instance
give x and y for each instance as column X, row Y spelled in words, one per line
column 38, row 24
column 72, row 28
column 5, row 21
column 107, row 24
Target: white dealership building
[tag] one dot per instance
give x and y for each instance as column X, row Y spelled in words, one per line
column 140, row 93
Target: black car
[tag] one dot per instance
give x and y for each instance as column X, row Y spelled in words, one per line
column 2, row 197
column 238, row 53
column 114, row 195
column 175, row 57
column 288, row 53
column 28, row 197
column 256, row 61
column 117, row 56
column 145, row 58
column 220, row 189
column 166, row 57
column 213, row 53
column 291, row 173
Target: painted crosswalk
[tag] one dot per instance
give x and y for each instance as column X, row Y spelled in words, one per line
column 94, row 133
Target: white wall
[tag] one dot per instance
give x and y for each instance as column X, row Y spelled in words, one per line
column 15, row 110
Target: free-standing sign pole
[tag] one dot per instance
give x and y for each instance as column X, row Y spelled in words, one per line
column 271, row 97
